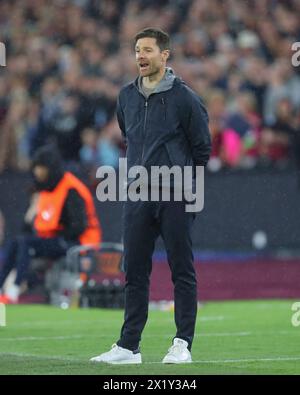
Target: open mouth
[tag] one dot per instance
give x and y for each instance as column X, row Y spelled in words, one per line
column 144, row 66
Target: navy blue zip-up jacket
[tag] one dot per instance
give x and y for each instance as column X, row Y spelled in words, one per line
column 170, row 127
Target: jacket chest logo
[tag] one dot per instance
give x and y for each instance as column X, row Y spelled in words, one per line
column 47, row 214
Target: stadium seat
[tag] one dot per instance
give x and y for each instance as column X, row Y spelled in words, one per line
column 87, row 276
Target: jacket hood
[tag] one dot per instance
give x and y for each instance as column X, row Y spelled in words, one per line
column 49, row 157
column 164, row 85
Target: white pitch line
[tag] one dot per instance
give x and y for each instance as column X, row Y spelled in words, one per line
column 206, row 334
column 31, row 324
column 217, row 361
column 245, row 360
column 45, row 357
column 224, row 334
column 67, row 322
column 82, row 335
column 25, row 338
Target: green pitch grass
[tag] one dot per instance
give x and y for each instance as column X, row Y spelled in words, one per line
column 248, row 337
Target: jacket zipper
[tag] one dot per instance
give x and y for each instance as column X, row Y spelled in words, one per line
column 144, row 131
column 163, row 103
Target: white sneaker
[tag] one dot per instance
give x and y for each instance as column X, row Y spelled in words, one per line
column 178, row 352
column 118, row 356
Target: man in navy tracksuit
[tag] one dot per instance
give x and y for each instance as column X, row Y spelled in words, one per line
column 164, row 123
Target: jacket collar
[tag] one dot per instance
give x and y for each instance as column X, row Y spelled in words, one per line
column 164, row 85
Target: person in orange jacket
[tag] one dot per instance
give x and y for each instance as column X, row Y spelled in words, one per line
column 62, row 215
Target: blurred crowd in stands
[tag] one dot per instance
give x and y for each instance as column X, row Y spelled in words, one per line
column 67, row 60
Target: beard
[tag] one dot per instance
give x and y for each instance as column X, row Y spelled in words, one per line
column 152, row 71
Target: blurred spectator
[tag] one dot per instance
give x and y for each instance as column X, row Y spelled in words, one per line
column 99, row 149
column 283, row 83
column 245, row 122
column 61, row 214
column 67, row 60
column 277, row 138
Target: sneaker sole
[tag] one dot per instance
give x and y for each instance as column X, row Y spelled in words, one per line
column 124, row 362
column 176, row 363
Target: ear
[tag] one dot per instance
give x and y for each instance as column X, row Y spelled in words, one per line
column 166, row 54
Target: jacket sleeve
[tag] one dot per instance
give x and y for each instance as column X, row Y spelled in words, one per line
column 121, row 119
column 194, row 119
column 74, row 216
